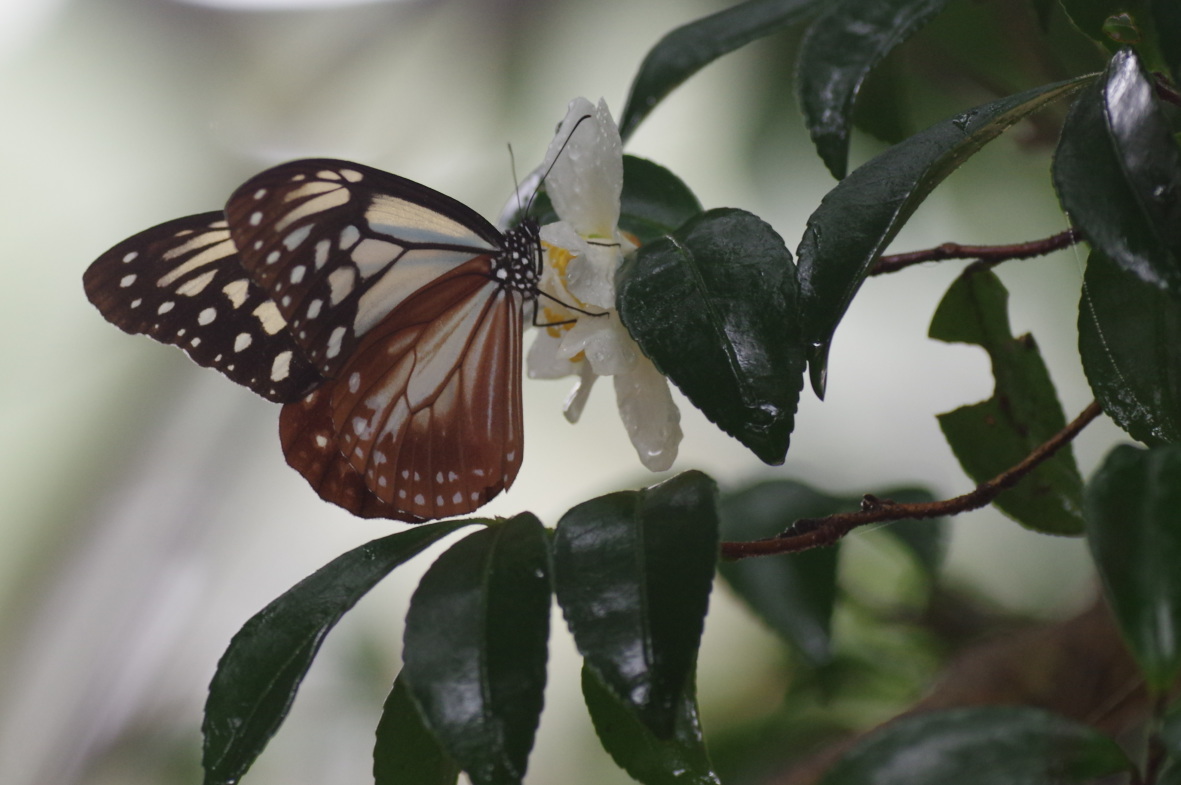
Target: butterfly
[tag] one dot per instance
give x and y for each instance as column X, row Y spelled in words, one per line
column 385, row 316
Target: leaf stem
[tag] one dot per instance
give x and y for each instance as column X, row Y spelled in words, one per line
column 992, row 254
column 808, row 533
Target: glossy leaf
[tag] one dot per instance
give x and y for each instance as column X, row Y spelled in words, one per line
column 406, row 752
column 262, row 668
column 980, row 746
column 688, row 49
column 633, row 572
column 838, row 51
column 715, row 307
column 680, row 759
column 1023, row 412
column 1118, row 174
column 475, row 647
column 1130, row 344
column 1133, row 510
column 654, row 201
column 858, row 219
column 794, row 593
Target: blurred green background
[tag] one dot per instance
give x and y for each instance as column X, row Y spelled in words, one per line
column 145, row 508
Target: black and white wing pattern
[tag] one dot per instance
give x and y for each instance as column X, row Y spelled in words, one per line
column 182, row 283
column 385, row 315
column 338, row 246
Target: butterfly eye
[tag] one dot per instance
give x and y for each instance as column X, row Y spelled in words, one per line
column 384, row 314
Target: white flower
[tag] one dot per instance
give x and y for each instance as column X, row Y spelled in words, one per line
column 583, row 250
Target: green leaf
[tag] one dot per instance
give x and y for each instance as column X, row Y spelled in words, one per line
column 475, row 647
column 714, row 306
column 261, row 670
column 1023, row 412
column 633, row 572
column 406, row 753
column 1118, row 174
column 1130, row 343
column 980, row 746
column 839, row 49
column 655, row 201
column 1133, row 512
column 858, row 219
column 680, row 759
column 688, row 49
column 794, row 593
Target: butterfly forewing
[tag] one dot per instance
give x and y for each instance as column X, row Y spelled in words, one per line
column 338, row 246
column 182, row 283
column 427, row 410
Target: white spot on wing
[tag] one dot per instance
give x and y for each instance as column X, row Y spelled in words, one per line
column 314, row 308
column 165, row 307
column 242, row 340
column 293, row 239
column 281, row 367
column 127, row 280
column 206, row 316
column 236, row 291
column 334, row 342
column 349, row 236
column 341, row 282
column 322, row 248
column 269, row 317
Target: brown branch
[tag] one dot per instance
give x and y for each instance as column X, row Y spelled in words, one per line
column 992, row 254
column 1166, row 91
column 808, row 533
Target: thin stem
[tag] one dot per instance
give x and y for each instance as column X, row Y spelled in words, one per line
column 992, row 254
column 808, row 533
column 1166, row 91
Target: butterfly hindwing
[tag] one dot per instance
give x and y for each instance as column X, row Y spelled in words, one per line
column 309, row 445
column 427, row 410
column 338, row 246
column 182, row 283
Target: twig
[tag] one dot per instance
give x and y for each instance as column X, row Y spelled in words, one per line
column 808, row 533
column 987, row 253
column 1165, row 91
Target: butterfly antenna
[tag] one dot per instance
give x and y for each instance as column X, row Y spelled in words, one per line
column 512, row 165
column 553, row 163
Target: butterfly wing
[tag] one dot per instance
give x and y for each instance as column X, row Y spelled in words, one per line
column 428, row 407
column 182, row 283
column 339, row 246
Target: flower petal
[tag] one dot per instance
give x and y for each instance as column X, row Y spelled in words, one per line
column 591, row 276
column 607, row 345
column 585, row 177
column 576, row 400
column 543, row 360
column 649, row 414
